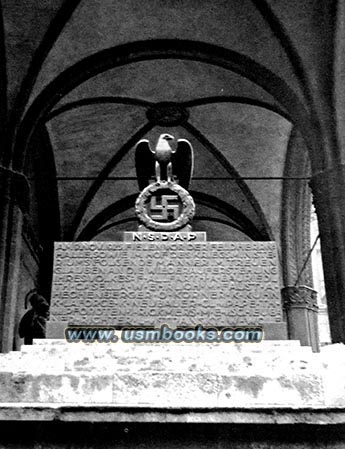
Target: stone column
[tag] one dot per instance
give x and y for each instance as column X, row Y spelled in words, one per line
column 328, row 189
column 12, row 193
column 300, row 304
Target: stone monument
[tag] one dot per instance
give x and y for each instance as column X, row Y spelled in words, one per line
column 168, row 273
column 165, row 273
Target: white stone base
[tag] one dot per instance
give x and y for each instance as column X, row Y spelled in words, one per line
column 270, row 374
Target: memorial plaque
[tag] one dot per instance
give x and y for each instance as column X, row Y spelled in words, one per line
column 177, row 283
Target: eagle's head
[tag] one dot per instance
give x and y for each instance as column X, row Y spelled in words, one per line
column 163, row 148
column 165, row 138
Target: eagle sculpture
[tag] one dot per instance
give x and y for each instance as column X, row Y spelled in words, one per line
column 164, row 162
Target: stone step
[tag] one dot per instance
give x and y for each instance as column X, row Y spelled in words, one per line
column 60, row 356
column 163, row 390
column 277, row 344
column 49, row 345
column 174, row 375
column 84, row 362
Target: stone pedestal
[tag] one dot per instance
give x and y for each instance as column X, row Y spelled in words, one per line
column 211, row 376
column 301, row 308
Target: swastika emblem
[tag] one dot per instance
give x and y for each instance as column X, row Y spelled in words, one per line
column 164, row 207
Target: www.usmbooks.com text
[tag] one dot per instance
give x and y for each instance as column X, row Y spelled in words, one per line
column 164, row 334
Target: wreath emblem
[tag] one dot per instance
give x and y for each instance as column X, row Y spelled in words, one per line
column 175, row 209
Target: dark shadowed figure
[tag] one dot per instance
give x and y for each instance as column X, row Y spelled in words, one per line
column 33, row 323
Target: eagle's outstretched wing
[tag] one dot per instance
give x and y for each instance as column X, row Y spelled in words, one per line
column 182, row 162
column 144, row 163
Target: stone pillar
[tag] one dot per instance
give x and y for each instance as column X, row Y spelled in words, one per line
column 13, row 193
column 328, row 189
column 300, row 304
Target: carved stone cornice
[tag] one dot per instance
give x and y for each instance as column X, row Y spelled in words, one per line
column 300, row 297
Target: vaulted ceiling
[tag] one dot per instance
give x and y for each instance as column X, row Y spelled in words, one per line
column 82, row 77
